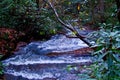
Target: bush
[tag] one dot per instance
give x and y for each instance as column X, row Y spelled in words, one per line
column 24, row 15
column 107, row 63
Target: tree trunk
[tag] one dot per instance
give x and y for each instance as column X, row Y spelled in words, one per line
column 37, row 2
column 101, row 9
column 118, row 9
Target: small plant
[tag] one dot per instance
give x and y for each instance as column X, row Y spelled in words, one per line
column 1, row 67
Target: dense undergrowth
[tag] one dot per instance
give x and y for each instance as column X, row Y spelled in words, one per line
column 25, row 16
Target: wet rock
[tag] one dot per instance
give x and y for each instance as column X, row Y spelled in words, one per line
column 32, row 62
column 58, row 43
column 49, row 79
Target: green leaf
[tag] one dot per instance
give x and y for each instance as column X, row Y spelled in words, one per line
column 69, row 67
column 114, row 33
column 99, row 48
column 115, row 50
column 97, row 52
column 118, row 39
column 103, row 55
column 115, row 58
column 117, row 72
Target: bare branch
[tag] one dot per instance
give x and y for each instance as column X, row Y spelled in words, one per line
column 68, row 26
column 57, row 16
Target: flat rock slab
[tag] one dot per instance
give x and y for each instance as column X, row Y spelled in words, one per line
column 32, row 62
column 58, row 43
column 50, row 69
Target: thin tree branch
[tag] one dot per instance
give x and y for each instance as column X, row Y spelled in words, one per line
column 70, row 27
column 57, row 16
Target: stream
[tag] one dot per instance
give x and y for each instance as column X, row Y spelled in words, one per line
column 47, row 60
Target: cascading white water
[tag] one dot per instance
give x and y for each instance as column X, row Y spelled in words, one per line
column 32, row 62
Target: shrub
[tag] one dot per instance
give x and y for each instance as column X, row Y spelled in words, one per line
column 107, row 63
column 25, row 16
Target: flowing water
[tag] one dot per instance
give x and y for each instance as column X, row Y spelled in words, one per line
column 33, row 62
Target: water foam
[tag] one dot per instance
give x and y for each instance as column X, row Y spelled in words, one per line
column 28, row 75
column 60, row 60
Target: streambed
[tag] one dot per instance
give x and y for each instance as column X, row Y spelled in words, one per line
column 33, row 63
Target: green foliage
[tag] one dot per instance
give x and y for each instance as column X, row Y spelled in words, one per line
column 48, row 22
column 92, row 12
column 107, row 54
column 106, row 63
column 15, row 13
column 25, row 16
column 1, row 67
